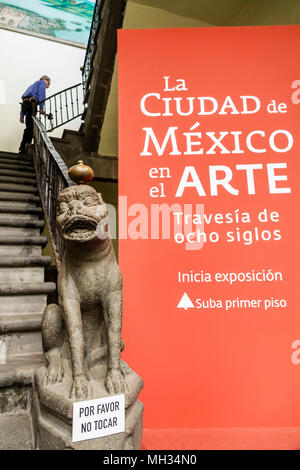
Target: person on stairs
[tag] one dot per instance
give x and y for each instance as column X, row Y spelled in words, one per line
column 35, row 94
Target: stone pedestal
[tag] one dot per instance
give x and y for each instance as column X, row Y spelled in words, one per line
column 54, row 408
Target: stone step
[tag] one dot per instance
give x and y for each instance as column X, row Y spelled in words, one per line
column 20, row 323
column 16, row 428
column 17, row 197
column 22, row 304
column 18, row 204
column 18, row 222
column 16, row 373
column 19, row 188
column 17, row 216
column 16, row 156
column 17, row 166
column 21, row 274
column 22, row 261
column 21, row 245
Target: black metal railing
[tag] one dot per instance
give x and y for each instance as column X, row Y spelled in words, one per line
column 62, row 107
column 52, row 177
column 92, row 44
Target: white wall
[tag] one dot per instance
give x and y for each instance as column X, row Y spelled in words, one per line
column 23, row 59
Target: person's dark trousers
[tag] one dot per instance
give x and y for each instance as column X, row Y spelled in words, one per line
column 29, row 110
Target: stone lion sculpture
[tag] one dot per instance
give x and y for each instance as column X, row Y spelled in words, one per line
column 89, row 308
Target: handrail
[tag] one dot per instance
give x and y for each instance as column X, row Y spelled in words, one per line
column 52, row 177
column 62, row 107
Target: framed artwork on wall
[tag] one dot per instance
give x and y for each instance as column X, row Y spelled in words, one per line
column 66, row 21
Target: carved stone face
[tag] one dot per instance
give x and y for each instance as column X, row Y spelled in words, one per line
column 81, row 214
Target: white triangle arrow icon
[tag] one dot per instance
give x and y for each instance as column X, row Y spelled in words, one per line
column 185, row 302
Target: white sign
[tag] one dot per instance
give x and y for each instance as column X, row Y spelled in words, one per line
column 98, row 418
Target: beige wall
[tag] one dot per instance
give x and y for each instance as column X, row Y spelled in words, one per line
column 139, row 17
column 251, row 12
column 268, row 12
column 23, row 59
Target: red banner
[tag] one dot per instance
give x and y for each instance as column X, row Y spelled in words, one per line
column 209, row 234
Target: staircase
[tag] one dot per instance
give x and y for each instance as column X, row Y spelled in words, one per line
column 23, row 296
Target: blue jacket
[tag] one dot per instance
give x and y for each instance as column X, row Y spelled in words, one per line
column 38, row 90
